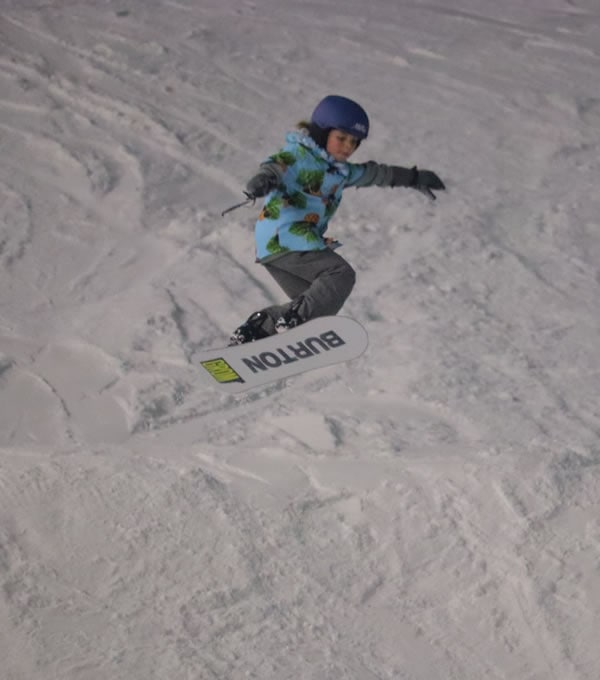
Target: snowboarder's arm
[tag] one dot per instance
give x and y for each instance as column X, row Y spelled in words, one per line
column 381, row 175
column 269, row 177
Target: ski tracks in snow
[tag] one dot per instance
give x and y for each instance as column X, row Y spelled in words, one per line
column 429, row 509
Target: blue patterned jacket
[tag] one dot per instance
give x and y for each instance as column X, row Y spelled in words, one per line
column 296, row 214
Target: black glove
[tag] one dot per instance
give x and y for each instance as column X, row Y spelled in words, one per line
column 262, row 183
column 425, row 181
column 422, row 180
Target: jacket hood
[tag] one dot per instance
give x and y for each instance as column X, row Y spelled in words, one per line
column 304, row 139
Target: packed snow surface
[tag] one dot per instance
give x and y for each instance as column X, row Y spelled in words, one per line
column 428, row 511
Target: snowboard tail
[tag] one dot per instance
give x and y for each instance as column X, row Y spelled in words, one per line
column 315, row 344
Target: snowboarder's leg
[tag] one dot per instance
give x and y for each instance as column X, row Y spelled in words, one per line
column 291, row 283
column 317, row 281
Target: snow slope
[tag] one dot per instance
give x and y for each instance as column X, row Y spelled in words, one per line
column 431, row 510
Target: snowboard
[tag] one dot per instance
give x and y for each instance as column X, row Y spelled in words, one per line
column 320, row 342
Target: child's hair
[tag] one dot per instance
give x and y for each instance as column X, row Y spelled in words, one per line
column 316, row 133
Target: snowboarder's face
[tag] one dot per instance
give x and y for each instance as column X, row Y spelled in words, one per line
column 341, row 145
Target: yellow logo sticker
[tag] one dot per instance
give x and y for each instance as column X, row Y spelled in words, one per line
column 221, row 371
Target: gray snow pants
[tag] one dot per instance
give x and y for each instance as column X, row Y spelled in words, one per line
column 318, row 281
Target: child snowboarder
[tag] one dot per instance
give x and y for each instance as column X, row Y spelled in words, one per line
column 302, row 187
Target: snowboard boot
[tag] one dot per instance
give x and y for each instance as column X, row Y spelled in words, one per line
column 250, row 330
column 290, row 319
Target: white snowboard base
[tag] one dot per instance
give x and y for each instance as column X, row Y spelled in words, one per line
column 321, row 342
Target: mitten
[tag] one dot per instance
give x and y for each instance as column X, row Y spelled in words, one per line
column 422, row 180
column 265, row 181
column 425, row 181
column 381, row 175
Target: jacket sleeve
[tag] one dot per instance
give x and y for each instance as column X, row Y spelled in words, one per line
column 269, row 177
column 381, row 175
column 272, row 170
